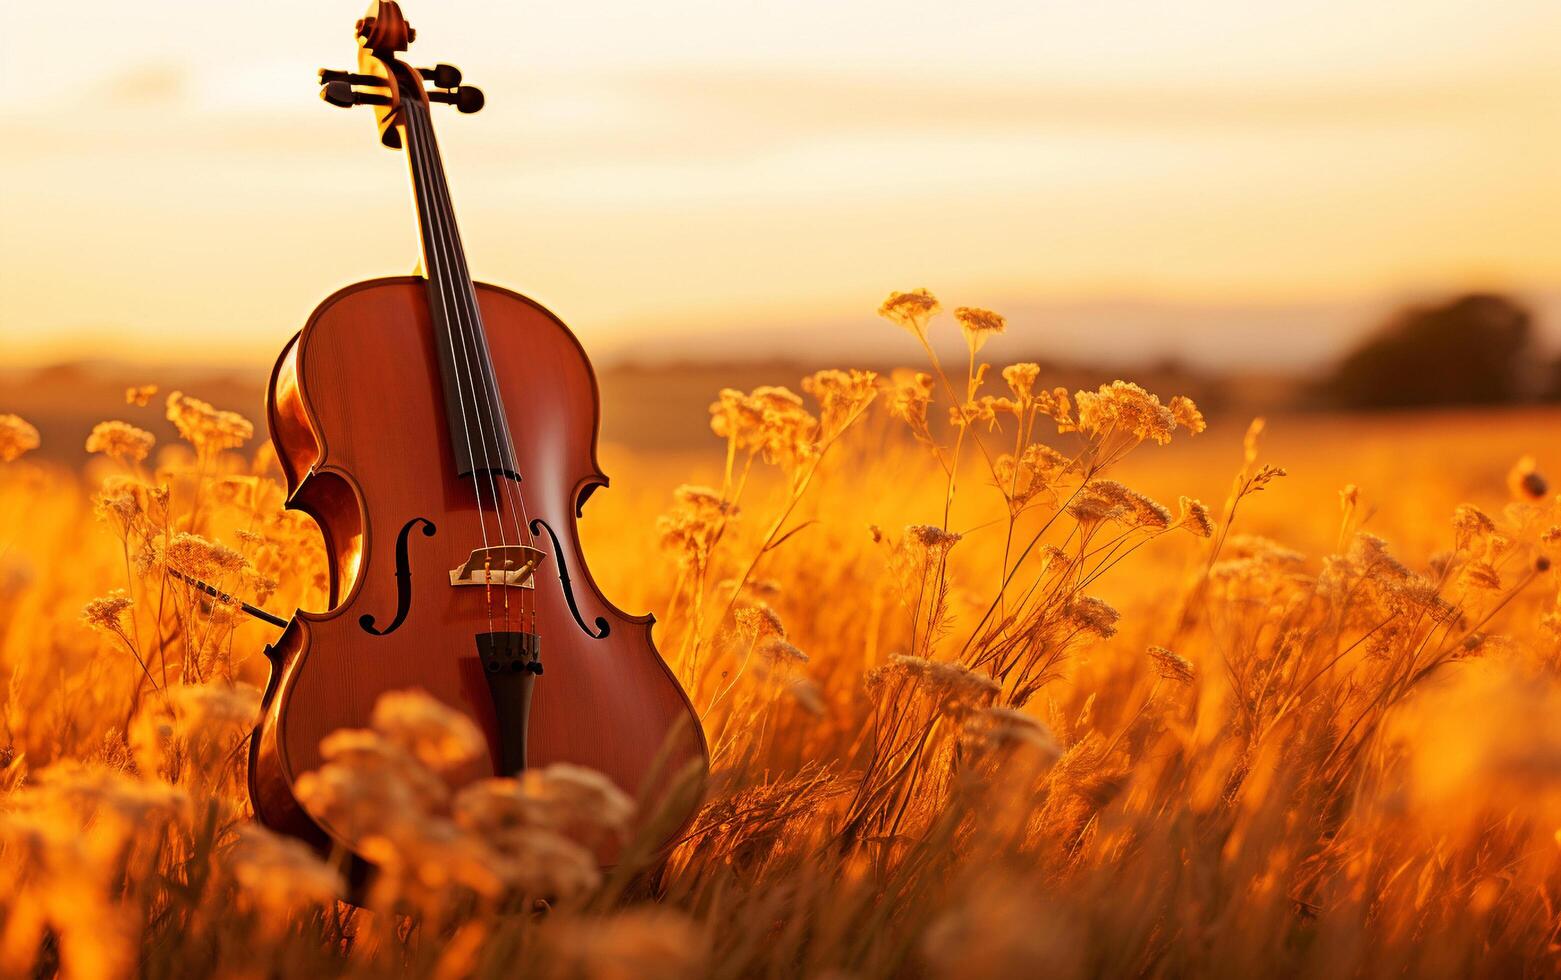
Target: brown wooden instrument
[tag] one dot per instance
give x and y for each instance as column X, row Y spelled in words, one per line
column 442, row 433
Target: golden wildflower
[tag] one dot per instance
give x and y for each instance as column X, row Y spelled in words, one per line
column 1058, row 407
column 192, row 731
column 690, row 529
column 440, row 737
column 987, row 408
column 1170, row 666
column 771, row 418
column 206, row 428
column 1481, row 575
column 1131, row 507
column 140, row 395
column 758, row 622
column 1261, row 549
column 204, row 707
column 910, row 397
column 954, row 685
column 1091, row 615
column 1122, row 408
column 1471, row 526
column 1046, row 461
column 17, row 436
column 1187, row 415
column 199, row 558
column 1265, row 475
column 1090, row 509
column 368, row 785
column 1194, row 516
column 131, row 504
column 733, row 416
column 911, row 310
column 1021, row 379
column 1417, row 595
column 578, row 801
column 999, row 728
column 789, row 431
column 106, row 613
column 541, row 819
column 1526, row 482
column 931, row 538
column 90, row 792
column 1054, row 558
column 121, row 440
column 978, row 325
column 279, row 876
column 1370, row 553
column 780, row 651
column 841, row 396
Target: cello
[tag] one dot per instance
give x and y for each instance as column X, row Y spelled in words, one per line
column 442, row 434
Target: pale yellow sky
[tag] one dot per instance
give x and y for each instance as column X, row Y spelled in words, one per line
column 170, row 187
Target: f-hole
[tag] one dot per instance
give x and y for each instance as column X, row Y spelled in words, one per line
column 403, row 579
column 603, row 627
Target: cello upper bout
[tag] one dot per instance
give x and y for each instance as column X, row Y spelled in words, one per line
column 297, row 447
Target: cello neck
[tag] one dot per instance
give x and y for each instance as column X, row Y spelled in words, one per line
column 473, row 408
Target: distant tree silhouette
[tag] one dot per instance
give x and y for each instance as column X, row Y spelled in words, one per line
column 1469, row 351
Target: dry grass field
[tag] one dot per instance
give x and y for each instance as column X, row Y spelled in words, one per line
column 986, row 699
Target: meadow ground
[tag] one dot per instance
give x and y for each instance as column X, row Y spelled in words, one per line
column 1028, row 721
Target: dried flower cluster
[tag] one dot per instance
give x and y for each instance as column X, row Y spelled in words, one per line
column 17, row 436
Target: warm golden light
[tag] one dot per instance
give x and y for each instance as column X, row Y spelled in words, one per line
column 694, row 170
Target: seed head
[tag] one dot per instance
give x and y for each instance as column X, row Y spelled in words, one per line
column 911, row 310
column 1123, row 408
column 978, row 325
column 140, row 395
column 104, row 613
column 1187, row 415
column 438, row 736
column 759, row 622
column 121, row 440
column 17, row 436
column 1171, row 666
column 933, row 539
column 206, row 428
column 1021, row 379
column 1194, row 516
column 199, row 558
column 1092, row 615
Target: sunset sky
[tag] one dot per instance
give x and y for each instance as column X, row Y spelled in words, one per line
column 1191, row 178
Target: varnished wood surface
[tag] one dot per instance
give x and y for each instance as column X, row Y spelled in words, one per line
column 355, row 412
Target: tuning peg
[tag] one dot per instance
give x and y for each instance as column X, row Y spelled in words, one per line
column 441, row 76
column 467, row 98
column 328, row 75
column 341, row 95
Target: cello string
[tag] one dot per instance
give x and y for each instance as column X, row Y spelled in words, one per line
column 443, row 225
column 484, row 385
column 440, row 209
column 501, row 416
column 424, row 182
column 513, row 490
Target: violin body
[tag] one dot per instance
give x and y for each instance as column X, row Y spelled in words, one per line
column 355, row 410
